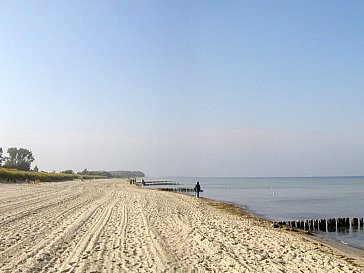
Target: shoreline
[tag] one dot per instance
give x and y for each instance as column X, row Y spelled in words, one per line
column 347, row 250
column 351, row 253
column 318, row 235
column 112, row 226
column 348, row 238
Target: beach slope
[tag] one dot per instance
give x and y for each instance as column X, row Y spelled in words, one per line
column 111, row 226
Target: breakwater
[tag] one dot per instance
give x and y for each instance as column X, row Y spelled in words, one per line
column 177, row 189
column 157, row 183
column 327, row 225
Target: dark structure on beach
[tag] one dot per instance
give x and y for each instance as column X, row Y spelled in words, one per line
column 327, row 225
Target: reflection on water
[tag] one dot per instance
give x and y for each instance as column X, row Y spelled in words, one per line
column 353, row 236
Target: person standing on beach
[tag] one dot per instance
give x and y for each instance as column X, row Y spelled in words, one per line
column 197, row 189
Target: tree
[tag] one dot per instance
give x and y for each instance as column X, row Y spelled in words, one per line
column 36, row 169
column 84, row 171
column 1, row 156
column 68, row 172
column 20, row 159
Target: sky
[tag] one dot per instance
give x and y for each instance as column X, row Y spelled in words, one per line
column 185, row 88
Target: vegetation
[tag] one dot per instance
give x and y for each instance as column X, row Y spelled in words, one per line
column 102, row 173
column 114, row 174
column 68, row 172
column 18, row 175
column 19, row 159
column 18, row 162
column 127, row 174
column 1, row 156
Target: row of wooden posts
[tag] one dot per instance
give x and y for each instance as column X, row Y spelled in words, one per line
column 158, row 183
column 153, row 182
column 177, row 189
column 327, row 225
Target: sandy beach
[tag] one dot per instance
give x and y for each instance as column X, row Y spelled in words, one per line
column 111, row 226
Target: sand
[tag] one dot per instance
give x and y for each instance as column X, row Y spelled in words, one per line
column 111, row 226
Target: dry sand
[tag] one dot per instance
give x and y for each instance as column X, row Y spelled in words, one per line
column 111, row 226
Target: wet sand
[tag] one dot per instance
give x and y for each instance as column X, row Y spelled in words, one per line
column 111, row 226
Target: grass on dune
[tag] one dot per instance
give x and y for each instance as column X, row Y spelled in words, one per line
column 5, row 174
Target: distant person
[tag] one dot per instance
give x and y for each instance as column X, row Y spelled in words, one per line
column 143, row 183
column 197, row 189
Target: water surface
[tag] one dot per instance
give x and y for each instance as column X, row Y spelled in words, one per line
column 281, row 199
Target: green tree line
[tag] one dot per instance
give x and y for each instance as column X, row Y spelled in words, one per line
column 20, row 159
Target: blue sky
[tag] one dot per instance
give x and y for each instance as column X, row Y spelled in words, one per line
column 205, row 88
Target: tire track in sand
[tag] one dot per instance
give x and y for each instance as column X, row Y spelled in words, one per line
column 39, row 236
column 111, row 226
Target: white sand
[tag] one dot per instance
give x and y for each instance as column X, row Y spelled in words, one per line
column 111, row 226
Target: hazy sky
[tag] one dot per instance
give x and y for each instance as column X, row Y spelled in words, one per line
column 196, row 88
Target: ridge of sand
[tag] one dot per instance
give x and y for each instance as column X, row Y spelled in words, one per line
column 111, row 226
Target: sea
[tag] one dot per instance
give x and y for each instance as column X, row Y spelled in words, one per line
column 289, row 198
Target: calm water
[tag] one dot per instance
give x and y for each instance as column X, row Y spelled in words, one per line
column 289, row 198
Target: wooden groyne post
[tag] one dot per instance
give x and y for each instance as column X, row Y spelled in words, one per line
column 326, row 225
